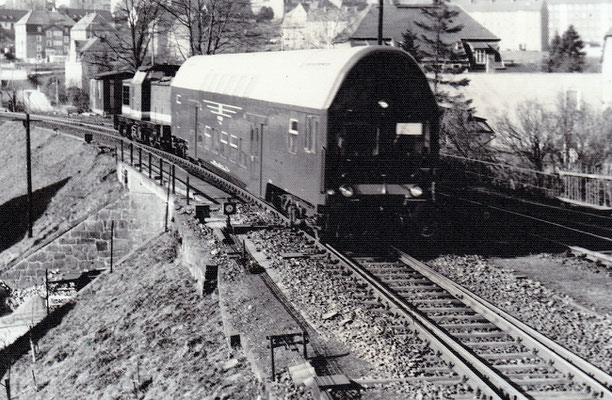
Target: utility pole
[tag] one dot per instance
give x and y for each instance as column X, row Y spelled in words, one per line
column 26, row 123
column 380, row 22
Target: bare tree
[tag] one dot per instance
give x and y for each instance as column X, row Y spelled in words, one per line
column 127, row 44
column 211, row 26
column 531, row 135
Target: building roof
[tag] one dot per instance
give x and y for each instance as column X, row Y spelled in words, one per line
column 113, row 75
column 78, row 13
column 302, row 78
column 45, row 18
column 11, row 15
column 609, row 33
column 397, row 19
column 91, row 20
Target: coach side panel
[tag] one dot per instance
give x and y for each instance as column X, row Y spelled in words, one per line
column 258, row 144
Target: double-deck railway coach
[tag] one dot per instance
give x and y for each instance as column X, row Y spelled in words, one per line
column 331, row 136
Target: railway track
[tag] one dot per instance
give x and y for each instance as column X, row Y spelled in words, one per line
column 511, row 358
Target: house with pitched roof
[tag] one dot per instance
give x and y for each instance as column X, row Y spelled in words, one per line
column 86, row 49
column 42, row 36
column 77, row 13
column 480, row 45
column 8, row 18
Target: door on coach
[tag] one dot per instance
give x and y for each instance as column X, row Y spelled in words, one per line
column 256, row 149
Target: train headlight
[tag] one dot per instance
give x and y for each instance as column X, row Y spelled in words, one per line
column 416, row 191
column 346, row 191
column 331, row 192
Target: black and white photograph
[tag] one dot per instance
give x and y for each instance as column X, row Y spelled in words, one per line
column 306, row 199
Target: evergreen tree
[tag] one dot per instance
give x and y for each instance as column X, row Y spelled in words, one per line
column 566, row 53
column 434, row 48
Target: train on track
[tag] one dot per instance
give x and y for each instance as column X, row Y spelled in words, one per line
column 331, row 137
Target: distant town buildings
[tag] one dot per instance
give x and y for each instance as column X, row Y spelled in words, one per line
column 480, row 45
column 85, row 48
column 42, row 36
column 8, row 18
column 85, row 4
column 25, row 4
column 531, row 24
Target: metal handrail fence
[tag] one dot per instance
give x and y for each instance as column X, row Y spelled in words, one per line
column 580, row 188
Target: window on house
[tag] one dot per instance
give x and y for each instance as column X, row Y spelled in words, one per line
column 480, row 57
column 126, row 95
column 178, row 99
column 292, row 136
column 49, row 33
column 39, row 48
column 233, row 148
column 66, row 39
column 66, row 49
column 57, row 33
column 39, row 38
column 38, row 29
column 49, row 43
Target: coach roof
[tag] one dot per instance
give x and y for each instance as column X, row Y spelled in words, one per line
column 303, row 78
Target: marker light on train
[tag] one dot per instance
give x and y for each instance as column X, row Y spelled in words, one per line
column 331, row 192
column 416, row 191
column 346, row 191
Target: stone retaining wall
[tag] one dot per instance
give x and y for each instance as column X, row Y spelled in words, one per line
column 138, row 216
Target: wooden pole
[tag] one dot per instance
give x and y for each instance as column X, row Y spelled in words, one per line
column 150, row 165
column 187, row 189
column 140, row 159
column 47, row 289
column 112, row 238
column 29, row 173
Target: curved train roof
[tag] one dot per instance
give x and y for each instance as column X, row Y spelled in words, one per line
column 304, row 78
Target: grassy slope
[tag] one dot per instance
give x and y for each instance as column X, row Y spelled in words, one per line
column 141, row 332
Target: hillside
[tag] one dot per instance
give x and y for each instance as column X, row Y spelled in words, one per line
column 69, row 181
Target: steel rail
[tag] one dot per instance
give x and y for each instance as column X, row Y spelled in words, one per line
column 599, row 381
column 482, row 376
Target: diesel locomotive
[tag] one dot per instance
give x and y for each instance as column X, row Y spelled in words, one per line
column 332, row 137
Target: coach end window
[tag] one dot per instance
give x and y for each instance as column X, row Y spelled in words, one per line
column 292, row 136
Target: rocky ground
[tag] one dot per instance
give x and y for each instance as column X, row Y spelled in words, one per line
column 567, row 299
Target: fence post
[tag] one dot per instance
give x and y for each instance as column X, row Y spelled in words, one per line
column 173, row 179
column 122, row 151
column 272, row 357
column 150, row 165
column 132, row 154
column 161, row 171
column 187, row 189
column 140, row 159
column 47, row 289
